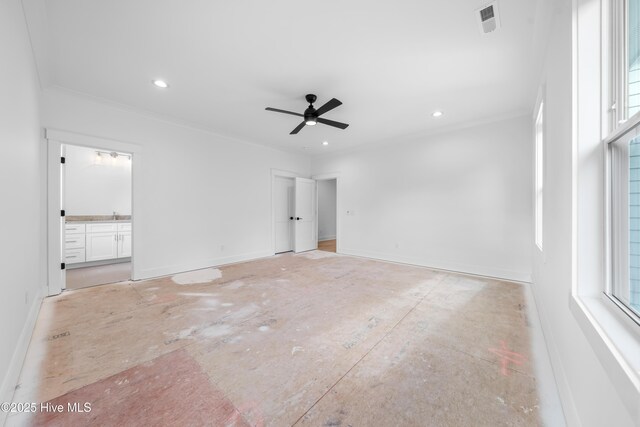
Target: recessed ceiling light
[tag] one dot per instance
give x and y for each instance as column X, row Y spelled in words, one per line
column 161, row 84
column 325, row 143
column 437, row 114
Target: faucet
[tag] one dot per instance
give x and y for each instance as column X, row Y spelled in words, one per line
column 115, row 214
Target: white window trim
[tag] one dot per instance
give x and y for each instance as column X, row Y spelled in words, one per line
column 613, row 336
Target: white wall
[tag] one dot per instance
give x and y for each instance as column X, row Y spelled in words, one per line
column 96, row 187
column 22, row 252
column 327, row 209
column 459, row 200
column 203, row 199
column 588, row 396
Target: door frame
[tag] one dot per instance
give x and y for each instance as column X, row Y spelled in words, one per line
column 283, row 174
column 54, row 141
column 327, row 177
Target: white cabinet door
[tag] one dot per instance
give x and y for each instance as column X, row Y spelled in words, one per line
column 101, row 246
column 124, row 244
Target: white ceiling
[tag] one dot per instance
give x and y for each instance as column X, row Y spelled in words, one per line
column 391, row 63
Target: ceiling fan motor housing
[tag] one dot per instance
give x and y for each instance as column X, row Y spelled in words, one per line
column 310, row 116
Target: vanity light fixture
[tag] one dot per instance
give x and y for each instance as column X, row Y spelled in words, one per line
column 113, row 154
column 437, row 114
column 325, row 143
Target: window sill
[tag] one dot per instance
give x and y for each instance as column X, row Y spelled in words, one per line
column 616, row 343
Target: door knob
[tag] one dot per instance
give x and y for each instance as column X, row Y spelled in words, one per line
column 298, row 218
column 290, row 217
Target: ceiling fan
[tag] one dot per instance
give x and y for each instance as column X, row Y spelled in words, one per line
column 312, row 116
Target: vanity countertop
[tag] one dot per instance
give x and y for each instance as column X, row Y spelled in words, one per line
column 98, row 218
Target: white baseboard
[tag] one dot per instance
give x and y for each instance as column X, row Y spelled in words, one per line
column 323, row 238
column 440, row 265
column 150, row 273
column 12, row 375
column 566, row 397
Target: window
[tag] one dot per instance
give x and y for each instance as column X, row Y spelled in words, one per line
column 539, row 171
column 624, row 156
column 625, row 220
column 633, row 57
column 625, row 61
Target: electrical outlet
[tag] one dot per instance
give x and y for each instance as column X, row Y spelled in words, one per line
column 397, row 245
column 221, row 248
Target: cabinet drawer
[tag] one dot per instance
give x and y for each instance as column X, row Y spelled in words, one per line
column 72, row 228
column 102, row 227
column 124, row 226
column 74, row 241
column 74, row 255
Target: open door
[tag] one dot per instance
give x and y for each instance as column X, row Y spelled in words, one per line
column 306, row 235
column 55, row 218
column 284, row 213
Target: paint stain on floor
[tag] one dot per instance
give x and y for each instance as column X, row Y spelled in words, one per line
column 197, row 276
column 309, row 339
column 169, row 390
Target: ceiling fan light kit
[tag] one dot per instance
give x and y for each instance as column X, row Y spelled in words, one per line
column 312, row 116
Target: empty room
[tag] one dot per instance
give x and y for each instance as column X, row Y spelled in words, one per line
column 251, row 213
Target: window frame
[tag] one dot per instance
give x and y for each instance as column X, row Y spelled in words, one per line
column 615, row 56
column 616, row 127
column 615, row 227
column 611, row 334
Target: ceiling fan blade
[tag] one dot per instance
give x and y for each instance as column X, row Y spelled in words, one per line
column 284, row 111
column 332, row 123
column 297, row 129
column 333, row 103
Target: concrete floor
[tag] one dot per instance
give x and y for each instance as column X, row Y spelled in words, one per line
column 307, row 339
column 84, row 277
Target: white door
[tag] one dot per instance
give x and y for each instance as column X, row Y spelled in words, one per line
column 102, row 246
column 63, row 221
column 284, row 211
column 306, row 235
column 124, row 244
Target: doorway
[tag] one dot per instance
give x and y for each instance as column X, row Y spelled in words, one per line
column 327, row 215
column 95, row 194
column 294, row 207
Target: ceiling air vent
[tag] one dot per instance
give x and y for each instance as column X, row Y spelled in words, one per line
column 488, row 18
